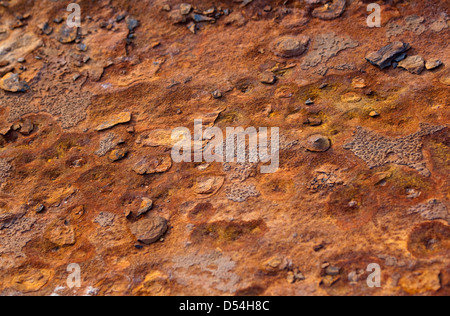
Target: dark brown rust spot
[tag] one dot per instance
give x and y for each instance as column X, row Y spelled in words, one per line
column 222, row 232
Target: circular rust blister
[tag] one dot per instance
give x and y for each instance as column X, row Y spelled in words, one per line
column 429, row 239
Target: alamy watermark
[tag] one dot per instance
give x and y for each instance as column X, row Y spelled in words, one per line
column 210, row 145
column 374, row 279
column 374, row 18
column 74, row 278
column 74, row 19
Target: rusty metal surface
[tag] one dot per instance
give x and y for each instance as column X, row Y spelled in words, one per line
column 86, row 175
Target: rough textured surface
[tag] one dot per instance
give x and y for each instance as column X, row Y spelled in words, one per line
column 107, row 142
column 11, row 83
column 149, row 230
column 120, row 118
column 241, row 192
column 290, row 46
column 431, row 210
column 318, row 143
column 433, row 63
column 377, row 150
column 105, row 219
column 310, row 228
column 414, row 64
column 330, row 11
column 326, row 46
column 5, row 168
column 386, row 55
